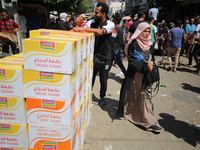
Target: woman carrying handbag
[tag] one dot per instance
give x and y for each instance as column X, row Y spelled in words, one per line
column 135, row 103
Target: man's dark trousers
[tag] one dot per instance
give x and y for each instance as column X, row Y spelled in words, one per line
column 103, row 75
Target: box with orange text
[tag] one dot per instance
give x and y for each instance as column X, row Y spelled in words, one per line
column 51, row 112
column 52, row 137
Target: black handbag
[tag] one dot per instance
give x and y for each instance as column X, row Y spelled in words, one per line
column 152, row 76
column 99, row 61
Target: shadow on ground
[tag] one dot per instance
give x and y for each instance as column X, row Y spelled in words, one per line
column 185, row 70
column 189, row 87
column 115, row 77
column 180, row 129
column 110, row 103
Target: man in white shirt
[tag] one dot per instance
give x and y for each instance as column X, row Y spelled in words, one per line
column 103, row 29
column 153, row 12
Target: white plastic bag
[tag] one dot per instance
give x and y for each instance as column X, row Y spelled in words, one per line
column 156, row 46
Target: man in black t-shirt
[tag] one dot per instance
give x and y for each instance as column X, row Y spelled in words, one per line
column 117, row 43
column 133, row 27
column 102, row 28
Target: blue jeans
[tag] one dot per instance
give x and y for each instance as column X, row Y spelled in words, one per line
column 116, row 57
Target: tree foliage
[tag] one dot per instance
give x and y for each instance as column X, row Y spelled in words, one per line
column 76, row 6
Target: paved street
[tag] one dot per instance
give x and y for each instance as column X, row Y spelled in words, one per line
column 177, row 108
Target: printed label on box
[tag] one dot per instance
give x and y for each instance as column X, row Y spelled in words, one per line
column 11, row 84
column 12, row 110
column 52, row 86
column 51, row 112
column 50, row 55
column 78, row 45
column 14, row 135
column 50, row 137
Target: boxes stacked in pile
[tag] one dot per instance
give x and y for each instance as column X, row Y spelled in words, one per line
column 45, row 93
column 13, row 124
column 57, row 88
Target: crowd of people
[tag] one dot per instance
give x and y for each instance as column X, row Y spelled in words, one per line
column 136, row 38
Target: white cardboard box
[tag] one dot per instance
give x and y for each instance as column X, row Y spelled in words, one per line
column 12, row 110
column 52, row 137
column 14, row 135
column 11, row 84
column 52, row 86
column 50, row 55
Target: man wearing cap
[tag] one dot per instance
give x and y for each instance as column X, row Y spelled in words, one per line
column 176, row 34
column 153, row 12
column 103, row 29
column 63, row 23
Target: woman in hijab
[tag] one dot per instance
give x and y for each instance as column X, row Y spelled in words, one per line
column 63, row 23
column 135, row 104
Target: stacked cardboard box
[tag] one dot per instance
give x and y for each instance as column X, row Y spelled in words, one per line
column 57, row 85
column 45, row 93
column 13, row 127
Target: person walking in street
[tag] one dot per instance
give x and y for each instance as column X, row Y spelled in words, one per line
column 136, row 104
column 153, row 12
column 190, row 28
column 103, row 29
column 184, row 45
column 141, row 17
column 176, row 34
column 117, row 43
column 197, row 45
column 63, row 23
column 153, row 35
column 7, row 24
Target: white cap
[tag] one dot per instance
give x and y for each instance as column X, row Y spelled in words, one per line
column 63, row 15
column 83, row 15
column 135, row 17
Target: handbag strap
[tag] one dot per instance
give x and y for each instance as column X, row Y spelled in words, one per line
column 150, row 90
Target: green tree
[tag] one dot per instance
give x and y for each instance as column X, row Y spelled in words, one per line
column 76, row 6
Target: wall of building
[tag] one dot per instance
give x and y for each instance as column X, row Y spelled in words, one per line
column 116, row 6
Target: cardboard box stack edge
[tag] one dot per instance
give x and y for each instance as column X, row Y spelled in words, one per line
column 45, row 93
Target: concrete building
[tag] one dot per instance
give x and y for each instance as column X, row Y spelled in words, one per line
column 116, row 6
